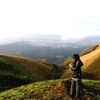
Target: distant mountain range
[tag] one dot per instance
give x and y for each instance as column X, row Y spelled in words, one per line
column 53, row 48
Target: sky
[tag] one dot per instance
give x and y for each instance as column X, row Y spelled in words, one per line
column 68, row 18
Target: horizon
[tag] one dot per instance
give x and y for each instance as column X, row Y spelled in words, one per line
column 47, row 37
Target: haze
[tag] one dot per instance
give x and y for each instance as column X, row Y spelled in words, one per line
column 68, row 18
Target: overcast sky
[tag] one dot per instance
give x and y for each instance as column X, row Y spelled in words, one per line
column 71, row 18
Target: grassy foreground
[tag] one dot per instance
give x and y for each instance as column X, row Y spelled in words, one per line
column 51, row 90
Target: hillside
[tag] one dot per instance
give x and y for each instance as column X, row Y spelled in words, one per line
column 91, row 60
column 15, row 71
column 22, row 74
column 51, row 90
column 92, row 63
column 67, row 73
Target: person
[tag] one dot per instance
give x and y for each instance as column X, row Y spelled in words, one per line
column 75, row 66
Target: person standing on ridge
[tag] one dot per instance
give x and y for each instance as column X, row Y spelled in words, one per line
column 75, row 66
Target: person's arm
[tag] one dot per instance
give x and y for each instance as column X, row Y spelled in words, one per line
column 72, row 67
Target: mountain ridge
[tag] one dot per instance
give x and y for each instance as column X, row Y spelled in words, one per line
column 91, row 61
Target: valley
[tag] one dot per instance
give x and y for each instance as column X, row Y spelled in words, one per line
column 28, row 79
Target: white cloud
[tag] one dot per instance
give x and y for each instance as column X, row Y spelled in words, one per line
column 72, row 18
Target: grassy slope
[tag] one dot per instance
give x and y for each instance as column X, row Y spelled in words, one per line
column 51, row 90
column 67, row 72
column 91, row 60
column 88, row 50
column 15, row 71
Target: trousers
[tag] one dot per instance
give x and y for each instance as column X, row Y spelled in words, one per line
column 75, row 87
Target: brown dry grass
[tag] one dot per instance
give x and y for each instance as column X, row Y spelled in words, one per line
column 92, row 62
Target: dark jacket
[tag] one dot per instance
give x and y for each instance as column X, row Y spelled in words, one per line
column 77, row 64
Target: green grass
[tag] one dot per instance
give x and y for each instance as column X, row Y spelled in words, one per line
column 51, row 90
column 46, row 90
column 92, row 89
column 92, row 85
